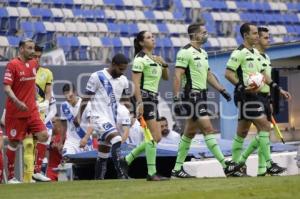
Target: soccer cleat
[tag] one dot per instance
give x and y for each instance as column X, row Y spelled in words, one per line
column 233, row 169
column 13, row 181
column 275, row 169
column 40, row 177
column 244, row 168
column 156, row 177
column 180, row 174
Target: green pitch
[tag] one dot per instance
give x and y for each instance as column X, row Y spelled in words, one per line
column 243, row 188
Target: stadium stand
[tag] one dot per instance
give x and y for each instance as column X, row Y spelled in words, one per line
column 73, row 24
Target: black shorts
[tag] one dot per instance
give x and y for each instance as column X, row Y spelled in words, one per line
column 150, row 102
column 252, row 105
column 266, row 100
column 195, row 102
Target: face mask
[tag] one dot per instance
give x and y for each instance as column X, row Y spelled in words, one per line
column 165, row 132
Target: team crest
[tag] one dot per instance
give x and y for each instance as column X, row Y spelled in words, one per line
column 250, row 65
column 27, row 65
column 34, row 71
column 13, row 132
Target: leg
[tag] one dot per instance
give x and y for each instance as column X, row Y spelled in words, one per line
column 1, row 166
column 28, row 158
column 238, row 141
column 101, row 162
column 11, row 156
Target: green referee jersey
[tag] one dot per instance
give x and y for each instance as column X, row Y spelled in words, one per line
column 195, row 63
column 266, row 62
column 244, row 61
column 151, row 71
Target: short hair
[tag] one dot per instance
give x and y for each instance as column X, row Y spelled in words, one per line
column 262, row 29
column 245, row 28
column 119, row 59
column 68, row 87
column 24, row 41
column 193, row 28
column 38, row 48
column 162, row 119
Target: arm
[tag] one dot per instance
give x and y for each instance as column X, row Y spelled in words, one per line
column 10, row 94
column 51, row 113
column 162, row 62
column 177, row 81
column 230, row 76
column 88, row 133
column 125, row 134
column 48, row 92
column 136, row 78
column 212, row 80
column 165, row 73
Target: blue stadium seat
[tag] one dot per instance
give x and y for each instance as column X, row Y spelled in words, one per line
column 207, row 17
column 106, row 41
column 133, row 29
column 149, row 15
column 13, row 41
column 162, row 28
column 74, row 44
column 168, row 52
column 63, row 42
column 45, row 13
column 113, row 28
column 266, row 6
column 13, row 3
column 292, row 6
column 124, row 29
column 291, row 29
column 78, row 12
column 118, row 4
column 178, row 16
column 3, row 21
column 159, row 47
column 117, row 45
column 89, row 15
column 28, row 29
column 148, row 3
column 99, row 15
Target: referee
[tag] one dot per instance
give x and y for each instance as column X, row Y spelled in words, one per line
column 192, row 67
column 147, row 71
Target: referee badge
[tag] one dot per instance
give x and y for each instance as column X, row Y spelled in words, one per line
column 250, row 65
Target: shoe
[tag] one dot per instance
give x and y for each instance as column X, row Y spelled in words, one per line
column 244, row 169
column 233, row 169
column 124, row 166
column 13, row 181
column 263, row 174
column 180, row 174
column 275, row 169
column 156, row 177
column 40, row 177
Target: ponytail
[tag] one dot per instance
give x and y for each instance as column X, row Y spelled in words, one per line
column 137, row 46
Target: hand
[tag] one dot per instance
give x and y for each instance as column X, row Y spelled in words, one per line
column 139, row 110
column 21, row 106
column 83, row 142
column 240, row 87
column 160, row 60
column 179, row 108
column 285, row 94
column 226, row 95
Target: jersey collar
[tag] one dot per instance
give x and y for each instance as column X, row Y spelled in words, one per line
column 107, row 74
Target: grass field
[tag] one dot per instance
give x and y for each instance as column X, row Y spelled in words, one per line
column 284, row 187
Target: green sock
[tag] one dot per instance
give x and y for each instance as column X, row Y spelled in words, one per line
column 237, row 147
column 151, row 157
column 250, row 149
column 183, row 149
column 262, row 166
column 214, row 148
column 135, row 152
column 264, row 144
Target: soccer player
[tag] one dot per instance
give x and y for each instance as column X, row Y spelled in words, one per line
column 265, row 97
column 44, row 79
column 1, row 158
column 22, row 113
column 78, row 137
column 192, row 66
column 242, row 62
column 168, row 136
column 147, row 70
column 104, row 90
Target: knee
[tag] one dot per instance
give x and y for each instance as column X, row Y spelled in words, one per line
column 208, row 130
column 116, row 140
column 243, row 133
column 157, row 138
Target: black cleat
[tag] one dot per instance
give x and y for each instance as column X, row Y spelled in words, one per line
column 124, row 166
column 275, row 169
column 244, row 168
column 233, row 169
column 156, row 177
column 180, row 174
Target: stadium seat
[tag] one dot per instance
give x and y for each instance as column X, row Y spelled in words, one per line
column 168, row 16
column 63, row 42
column 24, row 12
column 184, row 41
column 99, row 15
column 78, row 13
column 102, row 27
column 130, row 15
column 40, row 31
column 27, row 29
column 110, row 15
column 89, row 15
column 68, row 14
column 3, row 21
column 96, row 45
column 139, row 15
column 12, row 23
column 113, row 28
column 60, row 28
column 127, row 47
column 149, row 15
column 162, row 28
column 71, row 27
column 231, row 5
column 172, row 29
column 92, row 27
column 75, row 45
column 168, row 52
column 98, row 3
column 58, row 14
column 120, row 15
column 88, row 4
column 3, row 48
column 143, row 27
column 159, row 15
column 77, row 3
column 130, row 4
column 117, row 45
column 84, row 43
column 81, row 27
column 148, row 3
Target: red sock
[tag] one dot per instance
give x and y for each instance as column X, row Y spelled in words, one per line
column 1, row 167
column 11, row 156
column 39, row 156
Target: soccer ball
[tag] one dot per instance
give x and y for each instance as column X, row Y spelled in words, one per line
column 256, row 80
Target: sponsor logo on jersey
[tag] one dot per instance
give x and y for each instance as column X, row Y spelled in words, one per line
column 13, row 132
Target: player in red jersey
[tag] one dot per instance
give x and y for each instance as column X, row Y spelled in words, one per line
column 21, row 109
column 55, row 149
column 1, row 158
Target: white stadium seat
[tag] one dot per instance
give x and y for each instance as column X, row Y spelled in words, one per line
column 168, row 15
column 181, row 28
column 68, row 13
column 60, row 27
column 184, row 41
column 125, row 41
column 231, row 5
column 278, row 39
column 196, row 4
column 102, row 27
column 225, row 16
column 98, row 3
column 172, row 28
column 57, row 12
column 186, row 4
column 281, row 29
column 3, row 41
column 81, row 27
column 84, row 41
column 131, row 15
column 143, row 26
column 153, row 28
column 214, row 42
column 216, row 16
column 12, row 11
column 234, row 16
column 139, row 15
column 92, row 27
column 138, row 3
column 110, row 14
column 95, row 42
column 24, row 12
column 120, row 15
column 232, row 42
column 176, row 41
column 78, row 2
column 49, row 26
column 71, row 27
column 159, row 15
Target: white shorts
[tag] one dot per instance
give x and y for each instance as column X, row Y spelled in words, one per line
column 103, row 127
column 71, row 148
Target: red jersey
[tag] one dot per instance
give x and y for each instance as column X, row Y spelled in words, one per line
column 21, row 77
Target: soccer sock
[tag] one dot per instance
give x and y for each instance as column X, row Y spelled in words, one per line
column 11, row 156
column 151, row 157
column 40, row 153
column 101, row 166
column 264, row 144
column 1, row 167
column 28, row 159
column 262, row 166
column 252, row 147
column 183, row 149
column 116, row 157
column 135, row 152
column 214, row 148
column 237, row 147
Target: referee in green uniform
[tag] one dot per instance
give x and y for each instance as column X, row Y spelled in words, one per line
column 244, row 61
column 193, row 69
column 265, row 97
column 147, row 70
